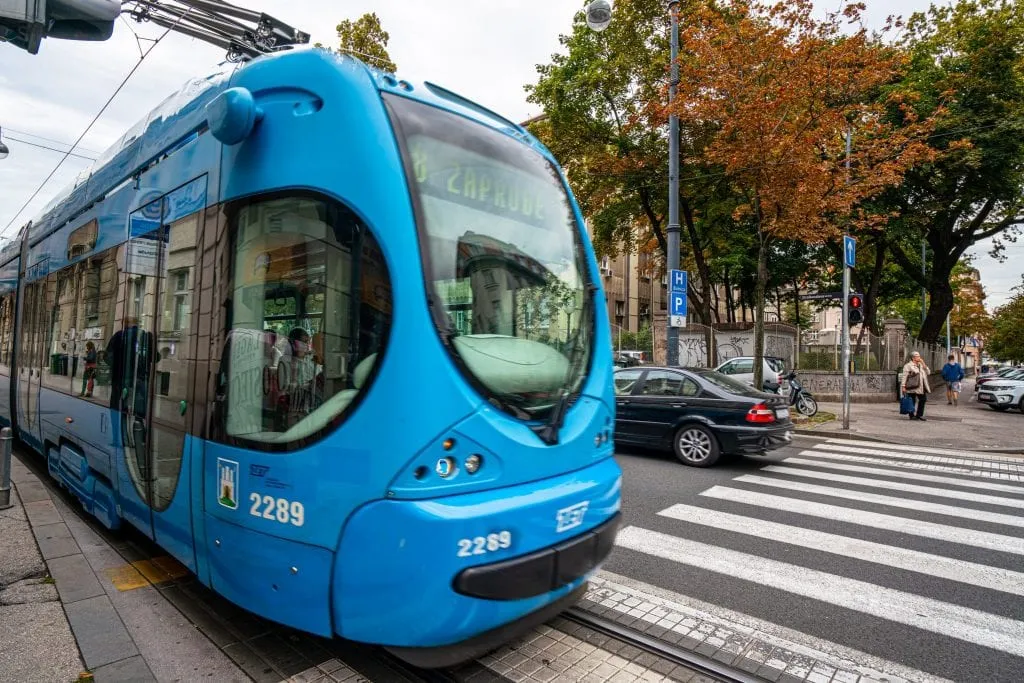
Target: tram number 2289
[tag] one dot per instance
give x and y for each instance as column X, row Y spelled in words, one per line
column 277, row 509
column 484, row 544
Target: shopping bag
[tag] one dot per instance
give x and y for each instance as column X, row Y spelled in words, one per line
column 957, row 386
column 906, row 405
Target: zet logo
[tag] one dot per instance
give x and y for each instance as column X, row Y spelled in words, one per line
column 571, row 517
column 227, row 483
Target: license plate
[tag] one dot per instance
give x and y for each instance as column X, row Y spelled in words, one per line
column 986, row 397
column 782, row 412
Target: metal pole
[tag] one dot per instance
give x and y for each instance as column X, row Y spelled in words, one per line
column 924, row 290
column 845, row 331
column 673, row 177
column 6, row 437
column 949, row 347
column 845, row 327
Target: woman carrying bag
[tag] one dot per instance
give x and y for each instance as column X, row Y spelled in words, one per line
column 915, row 384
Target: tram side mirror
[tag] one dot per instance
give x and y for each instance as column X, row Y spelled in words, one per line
column 233, row 115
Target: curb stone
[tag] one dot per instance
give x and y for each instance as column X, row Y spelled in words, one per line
column 811, row 431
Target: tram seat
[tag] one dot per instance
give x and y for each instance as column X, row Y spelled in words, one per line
column 333, row 406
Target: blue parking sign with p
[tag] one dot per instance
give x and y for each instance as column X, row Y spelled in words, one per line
column 678, row 303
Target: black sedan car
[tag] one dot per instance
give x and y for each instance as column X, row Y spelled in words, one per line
column 701, row 414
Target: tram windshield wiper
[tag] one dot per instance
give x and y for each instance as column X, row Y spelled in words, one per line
column 549, row 431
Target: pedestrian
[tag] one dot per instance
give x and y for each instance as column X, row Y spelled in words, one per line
column 915, row 384
column 954, row 375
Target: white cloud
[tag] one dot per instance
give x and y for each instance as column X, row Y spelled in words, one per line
column 486, row 51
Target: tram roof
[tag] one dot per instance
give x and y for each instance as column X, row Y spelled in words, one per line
column 176, row 121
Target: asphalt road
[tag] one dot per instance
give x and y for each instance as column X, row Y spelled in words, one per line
column 931, row 580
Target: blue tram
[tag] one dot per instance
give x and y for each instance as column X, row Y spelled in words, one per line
column 334, row 340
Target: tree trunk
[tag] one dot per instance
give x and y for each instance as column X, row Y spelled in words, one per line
column 762, row 282
column 939, row 305
column 871, row 296
column 704, row 272
column 730, row 303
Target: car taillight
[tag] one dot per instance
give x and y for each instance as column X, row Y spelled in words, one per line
column 761, row 413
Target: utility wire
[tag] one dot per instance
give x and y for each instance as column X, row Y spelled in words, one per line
column 52, row 149
column 40, row 137
column 92, row 123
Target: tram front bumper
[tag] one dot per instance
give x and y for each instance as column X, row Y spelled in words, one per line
column 446, row 571
column 542, row 571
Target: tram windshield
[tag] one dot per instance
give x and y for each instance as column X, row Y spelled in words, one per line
column 504, row 260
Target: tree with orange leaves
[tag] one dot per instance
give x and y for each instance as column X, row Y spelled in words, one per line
column 782, row 90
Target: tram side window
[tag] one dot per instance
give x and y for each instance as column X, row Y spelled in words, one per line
column 310, row 305
column 60, row 313
column 6, row 332
column 95, row 320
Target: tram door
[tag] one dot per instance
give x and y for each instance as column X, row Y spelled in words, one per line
column 158, row 367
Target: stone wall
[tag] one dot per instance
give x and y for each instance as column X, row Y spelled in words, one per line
column 730, row 340
column 865, row 386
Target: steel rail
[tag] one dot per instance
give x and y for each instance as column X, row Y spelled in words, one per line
column 705, row 665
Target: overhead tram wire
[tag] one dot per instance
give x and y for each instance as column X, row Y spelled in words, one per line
column 215, row 22
column 87, row 129
column 53, row 140
column 52, row 149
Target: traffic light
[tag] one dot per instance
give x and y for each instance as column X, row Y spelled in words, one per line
column 856, row 309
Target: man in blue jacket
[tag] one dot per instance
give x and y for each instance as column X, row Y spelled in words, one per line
column 953, row 374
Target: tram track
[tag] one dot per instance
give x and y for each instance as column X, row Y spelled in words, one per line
column 707, row 666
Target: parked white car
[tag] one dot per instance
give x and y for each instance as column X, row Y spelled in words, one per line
column 1002, row 394
column 741, row 369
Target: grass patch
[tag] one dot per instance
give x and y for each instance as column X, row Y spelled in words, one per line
column 820, row 417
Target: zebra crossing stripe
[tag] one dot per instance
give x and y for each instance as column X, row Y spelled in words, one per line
column 892, row 448
column 927, row 463
column 877, row 520
column 963, row 623
column 1009, row 465
column 897, row 486
column 824, row 460
column 972, row 573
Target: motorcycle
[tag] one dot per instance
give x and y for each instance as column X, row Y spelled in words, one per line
column 800, row 398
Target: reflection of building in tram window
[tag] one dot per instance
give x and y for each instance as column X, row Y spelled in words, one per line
column 293, row 286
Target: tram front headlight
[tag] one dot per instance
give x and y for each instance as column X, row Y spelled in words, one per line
column 445, row 467
column 473, row 463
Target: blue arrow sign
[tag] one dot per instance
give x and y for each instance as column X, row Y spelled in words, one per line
column 849, row 251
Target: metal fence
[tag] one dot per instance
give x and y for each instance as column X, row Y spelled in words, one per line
column 868, row 351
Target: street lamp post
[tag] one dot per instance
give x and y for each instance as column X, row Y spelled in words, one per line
column 673, row 175
column 599, row 13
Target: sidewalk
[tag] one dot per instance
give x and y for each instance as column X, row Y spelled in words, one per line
column 969, row 425
column 36, row 644
column 78, row 607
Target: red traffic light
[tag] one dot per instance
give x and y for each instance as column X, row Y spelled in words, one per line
column 855, row 301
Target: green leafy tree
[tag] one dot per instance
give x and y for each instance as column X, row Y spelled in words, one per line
column 781, row 88
column 597, row 99
column 1006, row 341
column 967, row 59
column 366, row 39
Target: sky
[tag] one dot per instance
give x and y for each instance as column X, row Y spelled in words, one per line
column 486, row 51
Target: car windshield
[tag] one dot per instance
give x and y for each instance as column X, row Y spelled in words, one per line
column 728, row 383
column 503, row 255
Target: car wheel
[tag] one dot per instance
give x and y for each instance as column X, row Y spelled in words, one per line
column 1021, row 404
column 696, row 446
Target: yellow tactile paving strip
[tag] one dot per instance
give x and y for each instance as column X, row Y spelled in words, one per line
column 152, row 572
